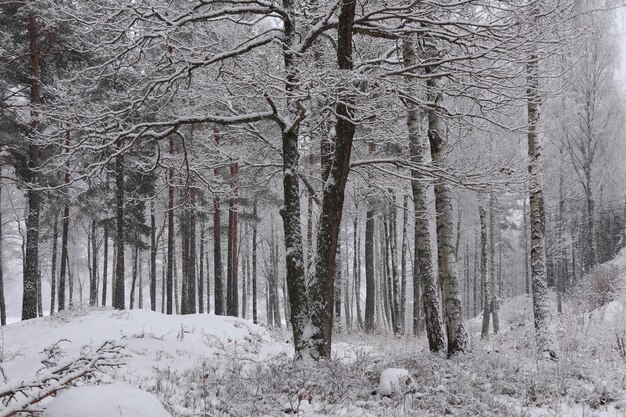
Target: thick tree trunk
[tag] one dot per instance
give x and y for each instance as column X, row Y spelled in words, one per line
column 321, row 291
column 184, row 245
column 544, row 327
column 423, row 260
column 31, row 258
column 394, row 289
column 294, row 255
column 446, row 256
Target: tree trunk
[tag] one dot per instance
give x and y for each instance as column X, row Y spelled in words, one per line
column 31, row 258
column 133, row 284
column 233, row 261
column 446, row 256
column 170, row 234
column 105, row 266
column 255, row 317
column 93, row 284
column 3, row 305
column 201, row 272
column 153, row 256
column 403, row 261
column 370, row 280
column 492, row 238
column 423, row 261
column 544, row 327
column 484, row 277
column 119, row 290
column 356, row 265
column 53, row 268
column 64, row 237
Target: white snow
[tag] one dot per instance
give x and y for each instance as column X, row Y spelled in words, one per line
column 394, row 381
column 112, row 400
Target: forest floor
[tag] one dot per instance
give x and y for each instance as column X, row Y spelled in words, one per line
column 204, row 365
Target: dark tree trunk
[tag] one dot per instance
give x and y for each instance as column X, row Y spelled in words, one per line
column 370, row 283
column 201, row 272
column 232, row 291
column 255, row 317
column 53, row 268
column 93, row 284
column 322, row 288
column 119, row 290
column 153, row 257
column 357, row 269
column 184, row 244
column 62, row 273
column 170, row 235
column 3, row 305
column 133, row 284
column 105, row 265
column 31, row 258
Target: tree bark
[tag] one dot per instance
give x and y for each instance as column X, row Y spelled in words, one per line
column 484, row 277
column 544, row 328
column 31, row 258
column 255, row 317
column 3, row 305
column 170, row 234
column 119, row 290
column 93, row 284
column 446, row 256
column 423, row 258
column 233, row 255
column 153, row 256
column 492, row 237
column 53, row 268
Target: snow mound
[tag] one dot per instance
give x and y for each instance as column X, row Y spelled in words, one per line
column 610, row 312
column 395, row 381
column 105, row 401
column 154, row 342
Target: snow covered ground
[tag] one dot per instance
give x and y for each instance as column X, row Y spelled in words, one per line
column 204, row 365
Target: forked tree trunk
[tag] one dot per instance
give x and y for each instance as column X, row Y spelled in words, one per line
column 446, row 256
column 423, row 261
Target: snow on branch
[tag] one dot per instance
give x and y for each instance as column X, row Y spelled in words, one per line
column 22, row 396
